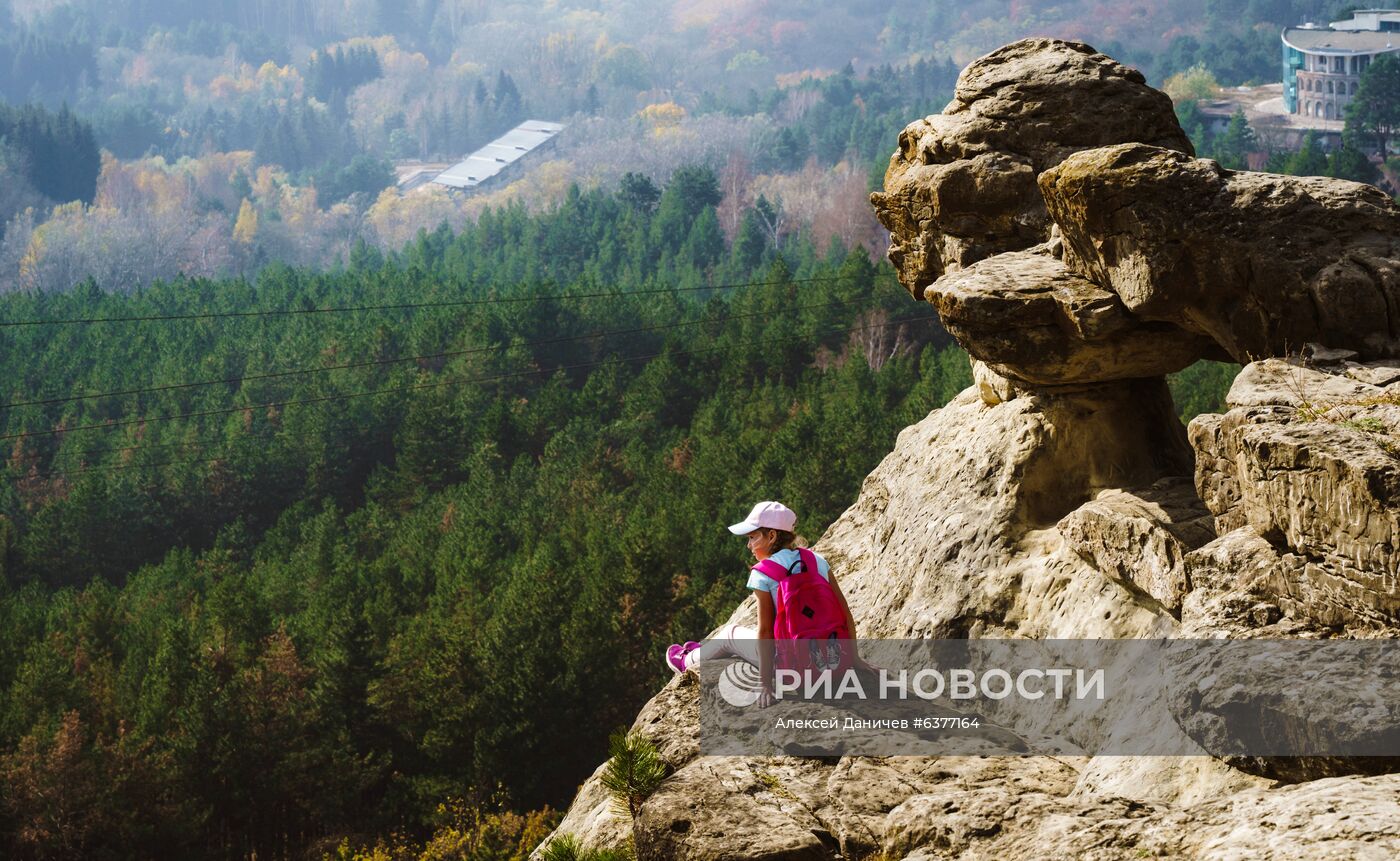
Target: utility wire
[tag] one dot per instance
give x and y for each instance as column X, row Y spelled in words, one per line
column 376, row 362
column 457, row 303
column 542, row 342
column 416, row 387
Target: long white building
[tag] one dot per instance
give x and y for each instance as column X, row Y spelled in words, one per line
column 503, row 152
column 1322, row 66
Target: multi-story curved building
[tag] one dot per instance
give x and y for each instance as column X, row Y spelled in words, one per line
column 1322, row 66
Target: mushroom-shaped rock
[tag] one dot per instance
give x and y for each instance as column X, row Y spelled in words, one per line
column 961, row 186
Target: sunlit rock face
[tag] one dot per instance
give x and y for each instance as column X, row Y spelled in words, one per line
column 1260, row 263
column 1056, row 218
column 1305, row 463
column 961, row 186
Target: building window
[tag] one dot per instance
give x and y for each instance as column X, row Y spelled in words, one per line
column 1329, row 88
column 1328, row 112
column 1353, row 88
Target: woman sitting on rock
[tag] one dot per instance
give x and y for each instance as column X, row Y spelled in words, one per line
column 793, row 604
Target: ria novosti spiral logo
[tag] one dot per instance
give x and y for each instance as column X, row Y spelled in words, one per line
column 739, row 684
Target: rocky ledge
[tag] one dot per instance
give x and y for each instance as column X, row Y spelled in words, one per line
column 1055, row 216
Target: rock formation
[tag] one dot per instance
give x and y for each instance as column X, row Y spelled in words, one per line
column 1303, row 478
column 1028, row 317
column 1056, row 218
column 961, row 186
column 1260, row 263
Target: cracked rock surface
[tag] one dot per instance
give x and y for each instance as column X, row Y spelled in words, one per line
column 1305, row 460
column 1027, row 316
column 1260, row 263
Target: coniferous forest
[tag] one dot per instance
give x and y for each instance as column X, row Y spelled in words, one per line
column 275, row 575
column 327, row 531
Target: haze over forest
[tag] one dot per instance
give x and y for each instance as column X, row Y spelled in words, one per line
column 280, row 581
column 218, row 121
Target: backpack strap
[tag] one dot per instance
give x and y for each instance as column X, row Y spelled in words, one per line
column 771, row 569
column 806, row 558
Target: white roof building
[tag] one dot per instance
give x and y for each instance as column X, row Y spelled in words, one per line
column 489, row 161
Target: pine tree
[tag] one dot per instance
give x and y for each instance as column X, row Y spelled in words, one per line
column 633, row 772
column 1375, row 110
column 1349, row 162
column 1236, row 143
column 1309, row 160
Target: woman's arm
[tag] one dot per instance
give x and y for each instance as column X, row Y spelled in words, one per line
column 766, row 612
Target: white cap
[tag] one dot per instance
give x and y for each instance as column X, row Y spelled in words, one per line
column 767, row 515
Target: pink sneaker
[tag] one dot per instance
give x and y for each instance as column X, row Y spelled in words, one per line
column 675, row 655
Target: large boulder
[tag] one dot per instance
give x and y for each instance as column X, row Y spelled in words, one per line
column 1306, row 459
column 1260, row 263
column 1141, row 537
column 963, row 512
column 962, row 185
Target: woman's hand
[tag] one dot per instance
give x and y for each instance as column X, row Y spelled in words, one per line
column 766, row 697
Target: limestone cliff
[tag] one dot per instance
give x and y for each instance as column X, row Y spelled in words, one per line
column 1056, row 218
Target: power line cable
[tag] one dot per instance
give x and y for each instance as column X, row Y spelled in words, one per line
column 416, row 387
column 457, row 303
column 196, row 414
column 117, row 468
column 377, row 362
column 528, row 344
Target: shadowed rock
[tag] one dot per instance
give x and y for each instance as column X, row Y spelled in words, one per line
column 1141, row 537
column 1261, row 696
column 1031, row 319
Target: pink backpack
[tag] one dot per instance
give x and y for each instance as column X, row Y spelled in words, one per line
column 810, row 623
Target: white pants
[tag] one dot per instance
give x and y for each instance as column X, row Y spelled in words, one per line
column 737, row 641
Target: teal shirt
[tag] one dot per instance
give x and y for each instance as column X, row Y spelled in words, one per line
column 785, row 558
